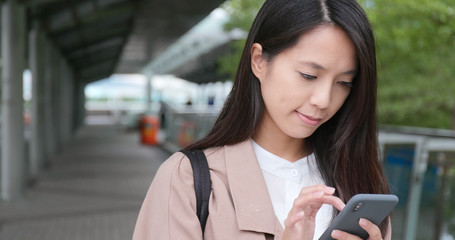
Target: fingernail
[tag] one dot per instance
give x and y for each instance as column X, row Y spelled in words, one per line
column 330, row 189
column 318, row 194
column 336, row 234
column 363, row 222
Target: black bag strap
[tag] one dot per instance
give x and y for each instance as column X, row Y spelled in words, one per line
column 202, row 184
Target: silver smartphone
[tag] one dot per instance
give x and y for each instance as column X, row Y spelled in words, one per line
column 374, row 207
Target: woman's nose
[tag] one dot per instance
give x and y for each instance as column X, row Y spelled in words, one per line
column 321, row 95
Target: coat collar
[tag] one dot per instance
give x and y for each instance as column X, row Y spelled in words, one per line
column 254, row 209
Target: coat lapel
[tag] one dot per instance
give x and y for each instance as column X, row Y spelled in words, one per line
column 254, row 210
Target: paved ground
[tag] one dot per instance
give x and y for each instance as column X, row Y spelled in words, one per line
column 92, row 191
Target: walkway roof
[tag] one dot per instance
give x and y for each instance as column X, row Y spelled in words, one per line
column 101, row 37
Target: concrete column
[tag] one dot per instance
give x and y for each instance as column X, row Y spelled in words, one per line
column 12, row 137
column 61, row 93
column 79, row 103
column 64, row 106
column 56, row 100
column 66, row 96
column 82, row 111
column 36, row 57
column 70, row 102
column 76, row 102
column 48, row 99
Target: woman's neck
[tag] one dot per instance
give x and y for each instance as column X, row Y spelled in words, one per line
column 275, row 141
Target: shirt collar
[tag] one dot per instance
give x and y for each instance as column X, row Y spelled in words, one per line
column 281, row 167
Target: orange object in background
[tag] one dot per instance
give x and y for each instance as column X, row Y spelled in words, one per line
column 149, row 127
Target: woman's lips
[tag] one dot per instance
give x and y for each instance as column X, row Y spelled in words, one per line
column 308, row 120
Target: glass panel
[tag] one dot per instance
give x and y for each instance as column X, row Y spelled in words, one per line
column 437, row 203
column 428, row 201
column 398, row 161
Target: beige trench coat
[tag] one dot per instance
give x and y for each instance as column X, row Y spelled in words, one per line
column 239, row 207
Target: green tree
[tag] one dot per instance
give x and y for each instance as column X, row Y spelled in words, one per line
column 242, row 14
column 415, row 41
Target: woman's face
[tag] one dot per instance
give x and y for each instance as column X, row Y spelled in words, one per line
column 305, row 85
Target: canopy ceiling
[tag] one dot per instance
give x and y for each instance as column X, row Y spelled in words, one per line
column 101, row 37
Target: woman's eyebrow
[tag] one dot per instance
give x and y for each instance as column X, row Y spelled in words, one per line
column 351, row 72
column 312, row 64
column 318, row 66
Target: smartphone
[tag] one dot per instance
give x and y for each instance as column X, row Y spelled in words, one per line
column 374, row 207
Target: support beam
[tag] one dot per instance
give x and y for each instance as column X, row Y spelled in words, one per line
column 48, row 100
column 148, row 94
column 121, row 11
column 66, row 106
column 13, row 177
column 100, row 57
column 79, row 104
column 95, row 70
column 38, row 2
column 57, row 101
column 419, row 167
column 36, row 58
column 71, row 101
column 120, row 30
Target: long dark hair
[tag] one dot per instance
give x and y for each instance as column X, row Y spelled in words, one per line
column 346, row 145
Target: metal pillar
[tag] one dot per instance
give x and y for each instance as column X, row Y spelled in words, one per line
column 148, row 95
column 36, row 58
column 12, row 137
column 418, row 170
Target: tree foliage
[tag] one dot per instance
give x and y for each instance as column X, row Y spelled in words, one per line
column 242, row 14
column 415, row 42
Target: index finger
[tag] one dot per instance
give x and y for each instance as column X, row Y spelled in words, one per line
column 319, row 187
column 334, row 201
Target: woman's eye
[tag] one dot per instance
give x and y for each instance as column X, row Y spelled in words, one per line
column 347, row 84
column 308, row 76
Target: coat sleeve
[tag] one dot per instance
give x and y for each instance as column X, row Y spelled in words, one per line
column 169, row 208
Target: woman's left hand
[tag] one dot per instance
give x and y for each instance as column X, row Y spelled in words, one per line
column 372, row 229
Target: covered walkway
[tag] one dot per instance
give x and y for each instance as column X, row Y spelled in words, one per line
column 65, row 45
column 92, row 190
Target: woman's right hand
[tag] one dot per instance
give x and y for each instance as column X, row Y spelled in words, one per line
column 299, row 225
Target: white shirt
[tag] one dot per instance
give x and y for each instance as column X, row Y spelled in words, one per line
column 284, row 181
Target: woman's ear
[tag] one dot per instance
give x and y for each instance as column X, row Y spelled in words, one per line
column 258, row 63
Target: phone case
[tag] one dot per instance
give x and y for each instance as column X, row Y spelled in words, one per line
column 374, row 207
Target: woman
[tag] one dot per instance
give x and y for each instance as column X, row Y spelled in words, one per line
column 296, row 138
